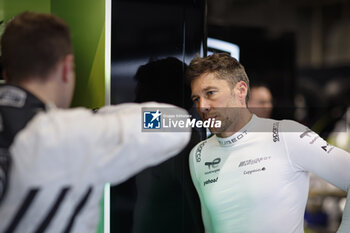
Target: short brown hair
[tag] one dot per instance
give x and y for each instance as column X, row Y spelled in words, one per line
column 33, row 44
column 222, row 65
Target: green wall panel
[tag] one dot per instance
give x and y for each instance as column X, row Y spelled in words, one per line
column 10, row 8
column 14, row 7
column 2, row 17
column 96, row 84
column 86, row 20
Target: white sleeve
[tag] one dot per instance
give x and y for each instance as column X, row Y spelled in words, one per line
column 309, row 152
column 205, row 212
column 110, row 145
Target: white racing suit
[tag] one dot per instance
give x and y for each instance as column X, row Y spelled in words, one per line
column 61, row 160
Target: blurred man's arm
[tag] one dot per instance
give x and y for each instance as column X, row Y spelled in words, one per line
column 110, row 145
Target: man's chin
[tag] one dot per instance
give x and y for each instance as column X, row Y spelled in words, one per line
column 216, row 130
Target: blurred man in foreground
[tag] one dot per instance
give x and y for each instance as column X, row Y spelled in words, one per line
column 252, row 176
column 54, row 162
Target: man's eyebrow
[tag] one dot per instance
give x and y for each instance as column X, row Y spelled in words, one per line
column 205, row 90
column 209, row 88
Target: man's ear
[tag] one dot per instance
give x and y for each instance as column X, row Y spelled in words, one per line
column 68, row 66
column 241, row 90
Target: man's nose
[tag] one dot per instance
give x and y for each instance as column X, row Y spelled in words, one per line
column 203, row 105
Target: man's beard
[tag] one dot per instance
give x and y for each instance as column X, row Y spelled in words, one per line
column 228, row 118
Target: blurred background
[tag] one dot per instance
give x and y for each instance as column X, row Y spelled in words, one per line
column 301, row 49
column 298, row 50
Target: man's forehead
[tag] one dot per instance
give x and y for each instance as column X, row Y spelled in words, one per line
column 203, row 79
column 206, row 81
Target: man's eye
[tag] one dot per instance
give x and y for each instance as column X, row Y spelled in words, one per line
column 210, row 93
column 195, row 100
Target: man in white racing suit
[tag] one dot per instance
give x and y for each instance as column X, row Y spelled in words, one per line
column 252, row 175
column 54, row 161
